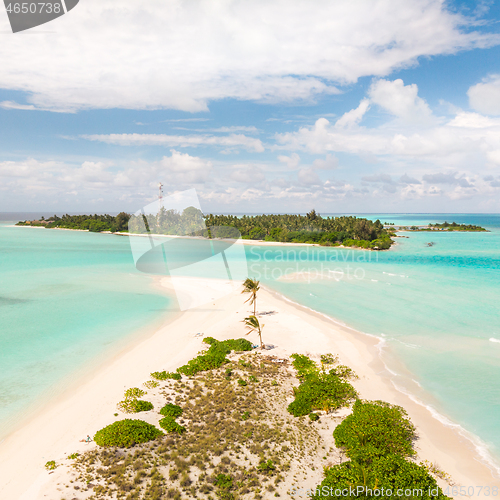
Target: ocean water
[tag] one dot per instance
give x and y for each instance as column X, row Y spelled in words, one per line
column 68, row 300
column 436, row 308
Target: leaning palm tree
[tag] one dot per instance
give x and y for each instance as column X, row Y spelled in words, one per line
column 252, row 287
column 253, row 325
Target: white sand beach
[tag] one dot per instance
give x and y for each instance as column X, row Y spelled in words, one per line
column 59, row 429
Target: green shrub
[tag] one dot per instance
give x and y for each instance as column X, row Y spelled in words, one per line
column 303, row 364
column 151, row 384
column 266, row 467
column 313, row 416
column 231, row 344
column 170, row 425
column 245, row 416
column 166, row 375
column 375, row 429
column 51, row 465
column 171, row 410
column 321, row 391
column 343, row 371
column 126, row 433
column 242, row 382
column 215, row 356
column 73, row 456
column 134, row 392
column 134, row 405
column 391, row 472
column 252, row 378
column 329, row 359
column 224, row 481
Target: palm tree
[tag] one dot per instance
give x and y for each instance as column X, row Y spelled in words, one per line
column 252, row 287
column 253, row 325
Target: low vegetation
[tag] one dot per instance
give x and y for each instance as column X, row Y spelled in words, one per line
column 378, row 439
column 215, row 356
column 166, row 375
column 230, row 441
column 126, row 433
column 318, row 390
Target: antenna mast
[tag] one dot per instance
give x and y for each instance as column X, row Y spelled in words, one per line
column 160, row 195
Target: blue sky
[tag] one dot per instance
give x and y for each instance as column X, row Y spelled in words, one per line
column 366, row 106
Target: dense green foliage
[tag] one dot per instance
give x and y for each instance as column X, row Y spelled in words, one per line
column 318, row 390
column 126, row 433
column 375, row 429
column 189, row 222
column 377, row 437
column 311, row 228
column 391, row 472
column 95, row 223
column 170, row 425
column 303, row 365
column 171, row 410
column 215, row 356
column 164, row 375
column 133, row 405
column 457, row 227
column 237, row 345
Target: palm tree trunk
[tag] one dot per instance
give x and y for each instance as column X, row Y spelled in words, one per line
column 254, row 302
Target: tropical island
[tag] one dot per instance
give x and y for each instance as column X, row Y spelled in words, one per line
column 445, row 226
column 217, row 415
column 348, row 231
column 238, row 422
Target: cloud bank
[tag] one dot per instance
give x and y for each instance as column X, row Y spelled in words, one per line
column 182, row 55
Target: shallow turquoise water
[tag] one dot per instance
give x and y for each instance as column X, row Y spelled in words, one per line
column 436, row 307
column 67, row 299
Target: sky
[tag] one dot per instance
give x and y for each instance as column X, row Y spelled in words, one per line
column 365, row 106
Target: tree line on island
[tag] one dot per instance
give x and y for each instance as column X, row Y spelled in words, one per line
column 310, row 228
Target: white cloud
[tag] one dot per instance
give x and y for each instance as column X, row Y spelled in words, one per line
column 494, row 156
column 181, row 55
column 229, row 141
column 485, row 96
column 443, row 178
column 249, row 174
column 353, row 117
column 308, row 177
column 329, row 163
column 15, row 105
column 400, row 100
column 291, row 161
column 406, row 179
column 473, row 120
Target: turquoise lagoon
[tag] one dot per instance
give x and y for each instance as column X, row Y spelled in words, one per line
column 67, row 298
column 68, row 301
